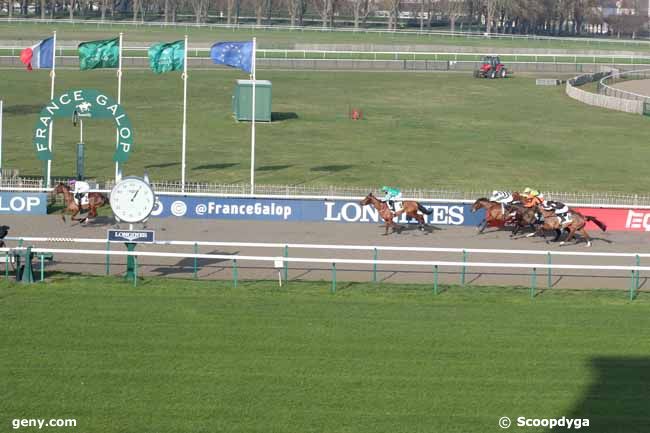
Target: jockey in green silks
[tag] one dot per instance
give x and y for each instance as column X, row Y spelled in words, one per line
column 391, row 196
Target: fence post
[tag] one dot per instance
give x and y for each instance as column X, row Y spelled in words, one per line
column 42, row 267
column 435, row 279
column 549, row 275
column 196, row 251
column 108, row 258
column 333, row 289
column 286, row 264
column 6, row 265
column 533, row 283
column 632, row 287
column 462, row 271
column 636, row 280
column 374, row 267
column 135, row 271
column 235, row 273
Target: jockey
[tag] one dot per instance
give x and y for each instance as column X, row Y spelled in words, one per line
column 532, row 197
column 561, row 210
column 79, row 189
column 504, row 198
column 391, row 196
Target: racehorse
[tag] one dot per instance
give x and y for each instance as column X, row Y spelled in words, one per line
column 409, row 207
column 493, row 212
column 95, row 201
column 577, row 224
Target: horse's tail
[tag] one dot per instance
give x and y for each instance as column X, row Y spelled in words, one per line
column 424, row 210
column 595, row 220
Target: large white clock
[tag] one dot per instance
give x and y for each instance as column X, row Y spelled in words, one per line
column 132, row 200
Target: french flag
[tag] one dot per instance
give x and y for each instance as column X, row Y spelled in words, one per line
column 40, row 56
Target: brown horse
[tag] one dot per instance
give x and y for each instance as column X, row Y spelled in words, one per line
column 494, row 214
column 577, row 224
column 95, row 201
column 409, row 207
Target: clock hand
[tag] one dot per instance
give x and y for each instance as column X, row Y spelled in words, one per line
column 136, row 193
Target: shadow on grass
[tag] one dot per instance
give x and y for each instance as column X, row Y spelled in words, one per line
column 163, row 165
column 335, row 168
column 279, row 116
column 22, row 109
column 186, row 265
column 617, row 399
column 216, row 166
column 272, row 167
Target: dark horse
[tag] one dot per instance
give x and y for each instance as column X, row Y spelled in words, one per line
column 409, row 207
column 95, row 201
column 577, row 224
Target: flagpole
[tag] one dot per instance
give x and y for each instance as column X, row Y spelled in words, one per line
column 253, row 124
column 184, row 117
column 119, row 101
column 49, row 138
column 1, row 114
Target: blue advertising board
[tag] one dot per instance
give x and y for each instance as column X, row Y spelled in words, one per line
column 23, row 203
column 300, row 210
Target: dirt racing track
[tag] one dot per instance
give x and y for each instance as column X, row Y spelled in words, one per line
column 339, row 234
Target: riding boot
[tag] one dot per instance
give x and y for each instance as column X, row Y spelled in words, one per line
column 391, row 203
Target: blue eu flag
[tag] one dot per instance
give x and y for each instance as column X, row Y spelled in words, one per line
column 235, row 54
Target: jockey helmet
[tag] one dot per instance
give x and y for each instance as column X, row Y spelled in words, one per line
column 527, row 191
column 384, row 188
column 71, row 182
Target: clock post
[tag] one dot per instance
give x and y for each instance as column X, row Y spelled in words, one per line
column 132, row 201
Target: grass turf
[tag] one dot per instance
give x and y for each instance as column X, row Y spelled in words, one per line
column 421, row 130
column 184, row 356
column 275, row 38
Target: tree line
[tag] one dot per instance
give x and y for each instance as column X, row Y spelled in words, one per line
column 551, row 17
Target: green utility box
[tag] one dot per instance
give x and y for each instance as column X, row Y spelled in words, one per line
column 242, row 100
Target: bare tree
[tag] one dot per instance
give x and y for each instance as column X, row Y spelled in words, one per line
column 393, row 8
column 259, row 11
column 297, row 9
column 325, row 9
column 360, row 11
column 200, row 8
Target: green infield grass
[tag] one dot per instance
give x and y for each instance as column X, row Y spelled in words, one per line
column 420, row 130
column 278, row 38
column 187, row 356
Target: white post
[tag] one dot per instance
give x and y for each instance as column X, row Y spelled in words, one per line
column 49, row 138
column 184, row 140
column 1, row 113
column 253, row 125
column 119, row 101
column 81, row 130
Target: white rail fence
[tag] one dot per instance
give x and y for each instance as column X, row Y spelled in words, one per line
column 204, row 52
column 617, row 76
column 281, row 261
column 320, row 29
column 333, row 192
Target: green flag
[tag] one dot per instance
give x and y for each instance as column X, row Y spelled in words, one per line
column 99, row 54
column 167, row 57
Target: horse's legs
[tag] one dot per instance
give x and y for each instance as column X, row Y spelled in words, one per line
column 482, row 225
column 584, row 233
column 558, row 233
column 420, row 219
column 570, row 236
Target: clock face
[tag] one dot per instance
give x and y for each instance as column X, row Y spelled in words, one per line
column 132, row 200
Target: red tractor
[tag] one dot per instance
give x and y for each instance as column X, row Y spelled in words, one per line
column 491, row 67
